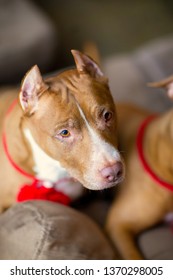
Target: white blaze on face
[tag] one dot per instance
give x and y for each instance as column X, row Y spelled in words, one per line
column 103, row 154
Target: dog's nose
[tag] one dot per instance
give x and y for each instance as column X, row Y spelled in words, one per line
column 112, row 173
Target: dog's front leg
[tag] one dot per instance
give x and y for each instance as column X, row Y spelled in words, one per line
column 130, row 214
column 124, row 241
column 122, row 236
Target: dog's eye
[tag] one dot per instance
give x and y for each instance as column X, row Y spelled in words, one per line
column 65, row 133
column 107, row 116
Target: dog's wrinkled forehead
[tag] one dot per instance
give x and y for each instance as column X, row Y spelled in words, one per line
column 83, row 88
column 67, row 95
column 85, row 82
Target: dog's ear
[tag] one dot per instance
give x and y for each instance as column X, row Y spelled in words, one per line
column 85, row 64
column 166, row 83
column 31, row 89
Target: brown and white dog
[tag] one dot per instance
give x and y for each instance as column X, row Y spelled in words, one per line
column 61, row 127
column 146, row 195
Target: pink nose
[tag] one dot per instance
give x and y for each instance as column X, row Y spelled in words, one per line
column 112, row 173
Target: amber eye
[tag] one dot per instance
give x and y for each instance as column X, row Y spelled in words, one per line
column 65, row 133
column 107, row 116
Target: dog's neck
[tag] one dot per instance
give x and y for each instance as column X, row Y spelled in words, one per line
column 158, row 147
column 18, row 147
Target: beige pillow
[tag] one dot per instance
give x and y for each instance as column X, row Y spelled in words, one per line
column 46, row 230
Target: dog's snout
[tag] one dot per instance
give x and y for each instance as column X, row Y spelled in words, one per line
column 113, row 172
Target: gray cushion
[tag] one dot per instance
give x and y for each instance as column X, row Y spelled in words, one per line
column 157, row 243
column 46, row 230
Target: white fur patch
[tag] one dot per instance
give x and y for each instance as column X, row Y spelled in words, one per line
column 50, row 171
column 46, row 168
column 100, row 148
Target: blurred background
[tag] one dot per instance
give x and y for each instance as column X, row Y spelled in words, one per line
column 44, row 32
column 115, row 25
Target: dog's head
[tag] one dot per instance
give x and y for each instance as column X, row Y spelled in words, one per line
column 72, row 118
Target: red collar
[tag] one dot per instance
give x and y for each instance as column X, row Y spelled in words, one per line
column 36, row 190
column 4, row 142
column 139, row 143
